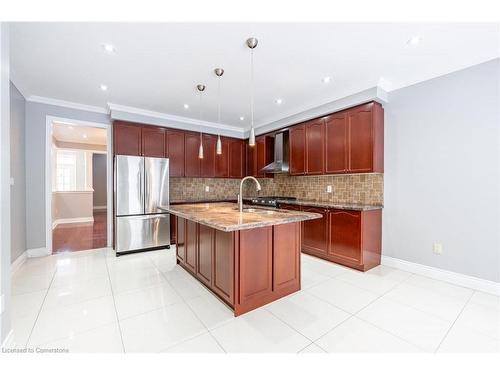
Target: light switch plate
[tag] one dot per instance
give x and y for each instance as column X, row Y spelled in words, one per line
column 207, row 188
column 329, row 189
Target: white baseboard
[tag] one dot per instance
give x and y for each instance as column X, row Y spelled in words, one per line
column 100, row 207
column 88, row 219
column 9, row 340
column 38, row 252
column 443, row 275
column 15, row 265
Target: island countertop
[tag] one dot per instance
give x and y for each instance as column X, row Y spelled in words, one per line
column 225, row 216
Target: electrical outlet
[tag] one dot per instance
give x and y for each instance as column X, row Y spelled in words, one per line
column 437, row 248
column 329, row 189
column 207, row 188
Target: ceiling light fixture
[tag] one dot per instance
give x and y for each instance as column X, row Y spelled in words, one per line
column 414, row 40
column 200, row 88
column 326, row 79
column 251, row 43
column 242, row 118
column 109, row 48
column 103, row 87
column 84, row 136
column 279, row 101
column 186, row 106
column 218, row 72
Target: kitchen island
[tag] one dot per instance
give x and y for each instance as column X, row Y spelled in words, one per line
column 247, row 259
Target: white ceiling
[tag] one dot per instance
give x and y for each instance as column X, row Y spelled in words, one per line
column 79, row 134
column 157, row 66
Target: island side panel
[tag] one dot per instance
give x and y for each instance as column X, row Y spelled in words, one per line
column 268, row 261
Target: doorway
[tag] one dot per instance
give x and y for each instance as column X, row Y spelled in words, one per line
column 79, row 186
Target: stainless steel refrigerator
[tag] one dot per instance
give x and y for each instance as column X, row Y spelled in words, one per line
column 141, row 190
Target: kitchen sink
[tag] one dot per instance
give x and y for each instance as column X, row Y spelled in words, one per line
column 257, row 210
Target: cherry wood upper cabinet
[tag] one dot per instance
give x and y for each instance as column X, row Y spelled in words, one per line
column 208, row 161
column 264, row 148
column 191, row 159
column 336, row 143
column 222, row 160
column 298, row 150
column 315, row 146
column 127, row 138
column 174, row 150
column 153, row 141
column 237, row 156
column 251, row 160
column 365, row 145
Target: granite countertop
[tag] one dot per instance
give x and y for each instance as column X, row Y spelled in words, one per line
column 226, row 217
column 203, row 200
column 342, row 206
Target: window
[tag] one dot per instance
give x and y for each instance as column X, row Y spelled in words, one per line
column 71, row 170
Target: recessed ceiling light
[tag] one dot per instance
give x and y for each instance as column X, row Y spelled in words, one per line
column 103, row 87
column 84, row 136
column 279, row 101
column 414, row 40
column 326, row 79
column 109, row 48
column 186, row 106
column 242, row 118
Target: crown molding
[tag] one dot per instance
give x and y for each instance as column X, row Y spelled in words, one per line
column 66, row 104
column 173, row 118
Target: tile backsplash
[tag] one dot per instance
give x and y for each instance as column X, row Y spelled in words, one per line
column 365, row 188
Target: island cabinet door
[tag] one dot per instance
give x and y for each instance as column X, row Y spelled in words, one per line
column 315, row 233
column 205, row 253
column 286, row 257
column 255, row 266
column 191, row 245
column 223, row 265
column 180, row 239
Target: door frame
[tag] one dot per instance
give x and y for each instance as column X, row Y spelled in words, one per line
column 48, row 175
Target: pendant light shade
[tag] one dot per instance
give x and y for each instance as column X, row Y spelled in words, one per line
column 219, row 146
column 251, row 43
column 218, row 72
column 251, row 140
column 200, row 88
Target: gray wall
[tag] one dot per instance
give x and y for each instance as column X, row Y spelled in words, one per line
column 36, row 114
column 99, row 179
column 5, row 323
column 17, row 172
column 441, row 172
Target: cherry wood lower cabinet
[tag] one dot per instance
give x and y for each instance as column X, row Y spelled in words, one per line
column 246, row 269
column 348, row 237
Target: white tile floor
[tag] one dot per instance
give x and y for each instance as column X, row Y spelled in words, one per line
column 92, row 301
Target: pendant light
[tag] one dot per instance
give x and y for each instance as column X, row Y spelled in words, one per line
column 218, row 72
column 251, row 43
column 200, row 88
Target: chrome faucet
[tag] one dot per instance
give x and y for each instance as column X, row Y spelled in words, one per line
column 240, row 195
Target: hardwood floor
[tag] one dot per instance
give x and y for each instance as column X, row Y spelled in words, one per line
column 84, row 236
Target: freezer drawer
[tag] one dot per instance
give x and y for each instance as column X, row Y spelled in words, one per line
column 141, row 232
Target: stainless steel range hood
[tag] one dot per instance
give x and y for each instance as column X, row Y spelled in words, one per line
column 280, row 163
